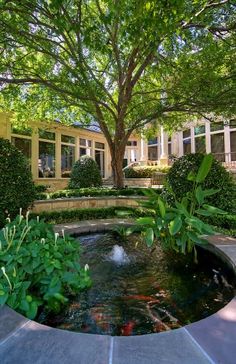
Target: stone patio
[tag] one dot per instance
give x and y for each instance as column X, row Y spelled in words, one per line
column 211, row 340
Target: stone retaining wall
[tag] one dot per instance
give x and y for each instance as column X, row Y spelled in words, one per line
column 85, row 202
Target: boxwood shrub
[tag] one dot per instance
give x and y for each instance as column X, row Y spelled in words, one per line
column 92, row 192
column 144, row 171
column 17, row 189
column 218, row 178
column 85, row 173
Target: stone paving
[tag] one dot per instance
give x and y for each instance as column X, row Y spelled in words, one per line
column 209, row 341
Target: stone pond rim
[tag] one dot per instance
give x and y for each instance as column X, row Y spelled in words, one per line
column 211, row 340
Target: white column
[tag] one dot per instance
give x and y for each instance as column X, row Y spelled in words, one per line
column 77, row 145
column 181, row 147
column 35, row 153
column 192, row 135
column 58, row 155
column 164, row 148
column 175, row 144
column 208, row 137
column 143, row 151
column 227, row 143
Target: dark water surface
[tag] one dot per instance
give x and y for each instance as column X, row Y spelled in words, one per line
column 151, row 291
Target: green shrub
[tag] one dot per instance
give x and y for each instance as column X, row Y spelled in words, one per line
column 41, row 188
column 144, row 171
column 16, row 185
column 38, row 267
column 85, row 173
column 218, row 178
column 92, row 192
column 58, row 217
column 223, row 221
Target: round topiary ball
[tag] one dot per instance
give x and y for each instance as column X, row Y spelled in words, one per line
column 218, row 178
column 16, row 184
column 85, row 173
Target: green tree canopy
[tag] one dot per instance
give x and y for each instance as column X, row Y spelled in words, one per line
column 121, row 63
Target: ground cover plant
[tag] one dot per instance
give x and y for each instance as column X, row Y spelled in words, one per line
column 38, row 267
column 85, row 173
column 16, row 184
column 181, row 226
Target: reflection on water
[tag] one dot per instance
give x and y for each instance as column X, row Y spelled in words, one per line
column 152, row 292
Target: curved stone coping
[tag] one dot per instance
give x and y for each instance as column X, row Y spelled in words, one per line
column 85, row 202
column 211, row 340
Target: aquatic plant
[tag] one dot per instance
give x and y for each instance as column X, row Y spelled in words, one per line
column 181, row 227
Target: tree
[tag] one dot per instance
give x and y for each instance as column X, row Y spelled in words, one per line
column 121, row 63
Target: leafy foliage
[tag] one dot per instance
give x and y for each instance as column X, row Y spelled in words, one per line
column 38, row 267
column 145, row 171
column 179, row 185
column 85, row 173
column 16, row 185
column 181, row 227
column 121, row 63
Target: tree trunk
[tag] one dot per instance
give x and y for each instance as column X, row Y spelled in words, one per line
column 117, row 157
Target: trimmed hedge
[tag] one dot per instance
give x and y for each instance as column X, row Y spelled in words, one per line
column 85, row 173
column 218, row 178
column 224, row 221
column 58, row 217
column 92, row 192
column 17, row 189
column 144, row 172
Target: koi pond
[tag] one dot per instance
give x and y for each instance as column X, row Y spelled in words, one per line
column 138, row 291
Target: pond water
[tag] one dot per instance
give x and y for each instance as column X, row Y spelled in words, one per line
column 137, row 290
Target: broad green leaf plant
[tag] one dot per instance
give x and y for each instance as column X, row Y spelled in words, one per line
column 38, row 267
column 181, row 227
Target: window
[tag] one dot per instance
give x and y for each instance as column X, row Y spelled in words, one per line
column 67, row 160
column 100, row 157
column 187, row 146
column 233, row 145
column 99, row 145
column 21, row 130
column 200, row 129
column 186, row 133
column 153, row 153
column 232, row 124
column 85, row 142
column 153, row 141
column 85, row 147
column 217, row 126
column 67, row 155
column 200, row 144
column 132, row 143
column 24, row 145
column 218, row 146
column 46, row 162
column 48, row 135
column 67, row 139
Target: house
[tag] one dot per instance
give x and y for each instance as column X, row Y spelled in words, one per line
column 53, row 148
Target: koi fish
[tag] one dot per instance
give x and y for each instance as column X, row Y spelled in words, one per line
column 127, row 329
column 141, row 298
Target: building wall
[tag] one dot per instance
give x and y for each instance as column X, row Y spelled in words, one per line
column 51, row 147
column 217, row 138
